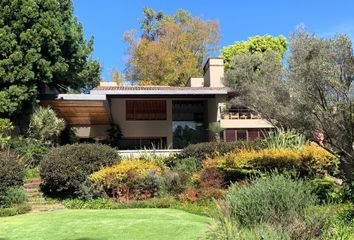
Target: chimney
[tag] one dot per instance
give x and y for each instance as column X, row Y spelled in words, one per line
column 196, row 82
column 214, row 73
column 108, row 84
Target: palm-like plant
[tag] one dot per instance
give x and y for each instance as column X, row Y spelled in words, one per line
column 45, row 125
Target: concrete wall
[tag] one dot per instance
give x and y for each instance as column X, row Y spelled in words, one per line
column 91, row 131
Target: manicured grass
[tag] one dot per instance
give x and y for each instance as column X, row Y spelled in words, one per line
column 127, row 224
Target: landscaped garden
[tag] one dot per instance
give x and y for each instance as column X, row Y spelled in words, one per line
column 281, row 187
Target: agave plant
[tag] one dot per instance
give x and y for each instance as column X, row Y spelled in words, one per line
column 285, row 139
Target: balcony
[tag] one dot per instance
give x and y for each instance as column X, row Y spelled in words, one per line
column 241, row 117
column 239, row 113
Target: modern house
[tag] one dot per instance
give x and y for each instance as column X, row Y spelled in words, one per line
column 158, row 115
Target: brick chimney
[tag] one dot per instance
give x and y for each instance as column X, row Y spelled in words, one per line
column 214, row 73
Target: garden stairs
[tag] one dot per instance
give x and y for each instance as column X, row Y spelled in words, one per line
column 36, row 199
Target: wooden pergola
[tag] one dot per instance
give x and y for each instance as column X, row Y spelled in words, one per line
column 80, row 112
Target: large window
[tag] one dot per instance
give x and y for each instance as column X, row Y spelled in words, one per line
column 146, row 110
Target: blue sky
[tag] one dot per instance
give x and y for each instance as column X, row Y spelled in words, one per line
column 107, row 20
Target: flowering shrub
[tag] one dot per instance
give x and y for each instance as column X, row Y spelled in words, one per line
column 308, row 160
column 130, row 179
column 119, row 173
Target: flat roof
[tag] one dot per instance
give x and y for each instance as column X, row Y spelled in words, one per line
column 93, row 97
column 158, row 90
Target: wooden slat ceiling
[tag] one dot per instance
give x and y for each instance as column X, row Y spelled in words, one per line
column 80, row 112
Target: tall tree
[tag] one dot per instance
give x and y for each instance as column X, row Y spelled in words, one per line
column 314, row 95
column 171, row 48
column 42, row 43
column 255, row 45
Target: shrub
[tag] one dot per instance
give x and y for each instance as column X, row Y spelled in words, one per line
column 98, row 203
column 175, row 182
column 65, row 168
column 186, row 165
column 285, row 139
column 130, row 179
column 328, row 189
column 276, row 199
column 30, row 150
column 118, row 173
column 308, row 160
column 276, row 207
column 12, row 172
column 45, row 125
column 202, row 151
column 12, row 211
column 14, row 196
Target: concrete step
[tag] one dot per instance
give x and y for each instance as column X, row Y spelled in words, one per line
column 34, row 195
column 45, row 208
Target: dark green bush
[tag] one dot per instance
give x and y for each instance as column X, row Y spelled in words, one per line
column 65, row 168
column 202, row 151
column 12, row 172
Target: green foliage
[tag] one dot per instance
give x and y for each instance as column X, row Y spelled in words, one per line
column 285, row 139
column 12, row 172
column 98, row 203
column 215, row 129
column 187, row 165
column 202, row 151
column 312, row 94
column 328, row 190
column 32, row 173
column 15, row 210
column 342, row 226
column 14, row 196
column 276, row 207
column 31, row 151
column 275, row 199
column 42, row 44
column 45, row 125
column 5, row 128
column 65, row 168
column 255, row 45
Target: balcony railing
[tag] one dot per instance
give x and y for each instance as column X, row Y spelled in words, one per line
column 239, row 114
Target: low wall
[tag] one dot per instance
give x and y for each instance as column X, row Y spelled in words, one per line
column 149, row 153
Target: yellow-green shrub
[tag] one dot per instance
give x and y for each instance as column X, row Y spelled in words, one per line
column 117, row 174
column 308, row 160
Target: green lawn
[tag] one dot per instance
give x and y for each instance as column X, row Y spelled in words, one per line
column 127, row 224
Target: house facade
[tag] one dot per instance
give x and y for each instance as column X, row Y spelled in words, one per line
column 159, row 116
